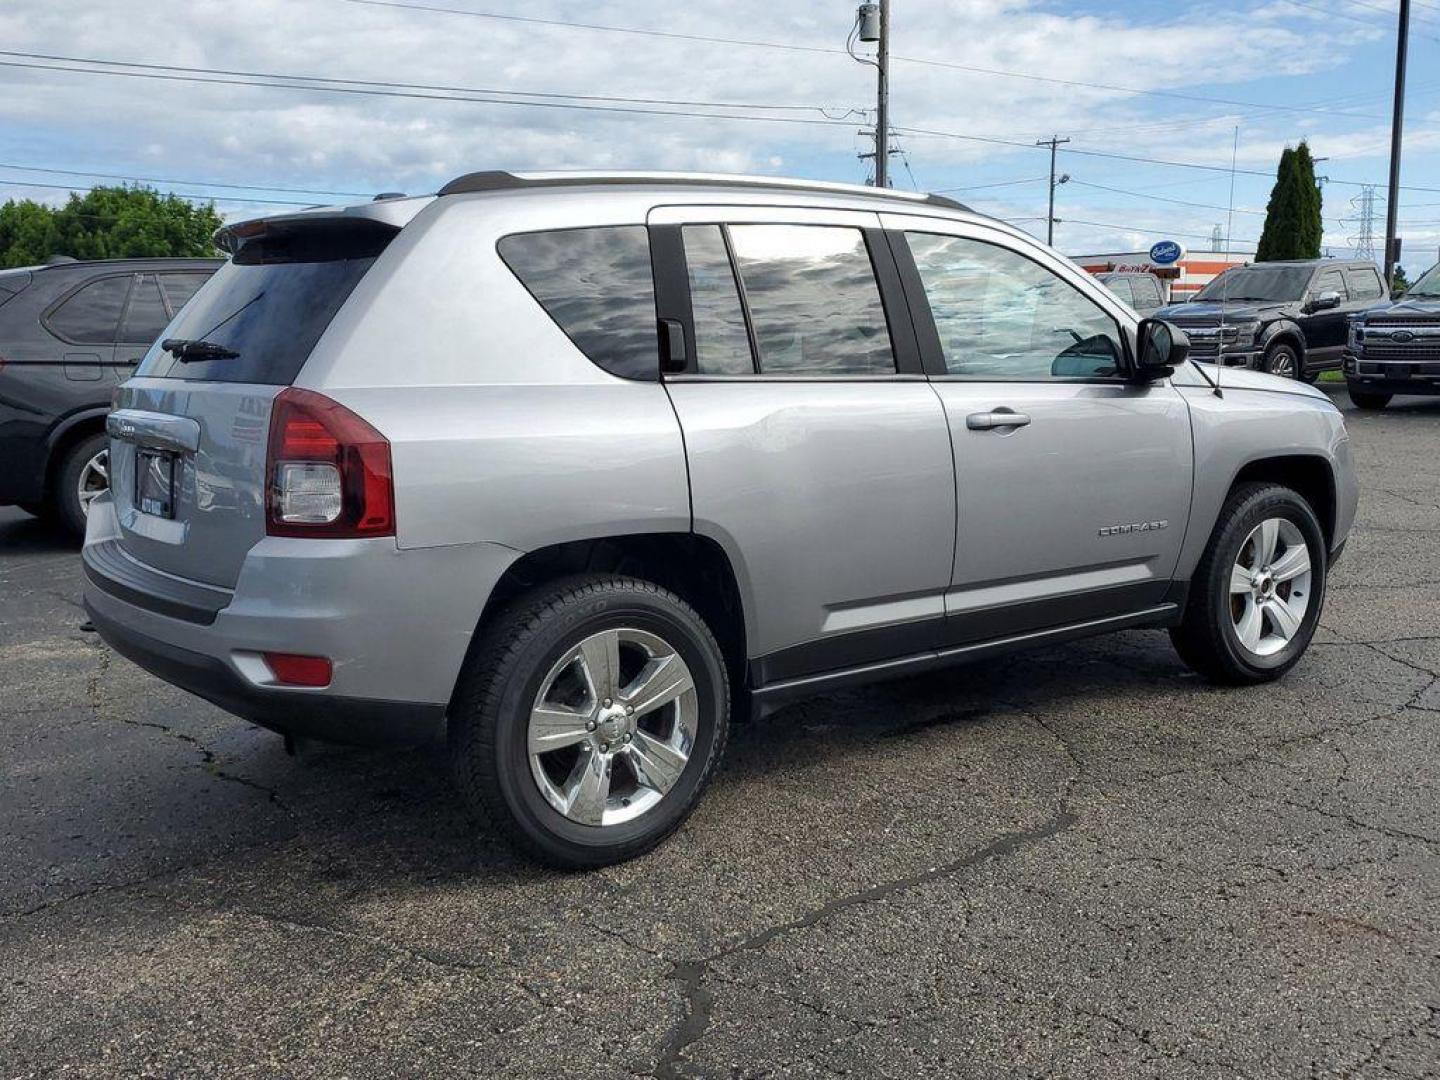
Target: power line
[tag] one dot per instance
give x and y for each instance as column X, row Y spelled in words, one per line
column 183, row 183
column 998, row 183
column 791, row 47
column 176, row 194
column 1162, row 198
column 1133, row 228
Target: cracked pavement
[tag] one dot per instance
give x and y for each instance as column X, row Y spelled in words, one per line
column 1078, row 862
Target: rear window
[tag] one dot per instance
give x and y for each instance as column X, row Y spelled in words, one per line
column 597, row 285
column 270, row 303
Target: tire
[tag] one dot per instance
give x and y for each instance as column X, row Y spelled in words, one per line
column 1284, row 360
column 39, row 510
column 1366, row 401
column 531, row 656
column 79, row 466
column 1209, row 639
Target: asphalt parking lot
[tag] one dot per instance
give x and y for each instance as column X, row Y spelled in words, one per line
column 1082, row 862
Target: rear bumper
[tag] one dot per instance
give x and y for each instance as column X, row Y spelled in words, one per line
column 303, row 714
column 396, row 625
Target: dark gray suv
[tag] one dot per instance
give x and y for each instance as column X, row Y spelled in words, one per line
column 70, row 333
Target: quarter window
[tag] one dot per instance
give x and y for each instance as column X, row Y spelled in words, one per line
column 722, row 343
column 92, row 315
column 814, row 304
column 146, row 315
column 1001, row 316
column 597, row 285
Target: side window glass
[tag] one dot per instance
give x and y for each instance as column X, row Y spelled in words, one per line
column 1001, row 316
column 1364, row 284
column 1147, row 291
column 813, row 299
column 1330, row 281
column 92, row 315
column 597, row 285
column 722, row 344
column 146, row 315
column 180, row 287
column 1123, row 288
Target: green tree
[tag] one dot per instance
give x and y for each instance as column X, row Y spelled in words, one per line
column 1401, row 285
column 106, row 223
column 1293, row 217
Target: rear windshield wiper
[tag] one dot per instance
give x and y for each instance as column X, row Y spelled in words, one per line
column 190, row 350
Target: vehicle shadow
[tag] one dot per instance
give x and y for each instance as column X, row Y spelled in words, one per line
column 22, row 534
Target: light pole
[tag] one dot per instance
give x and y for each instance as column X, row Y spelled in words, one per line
column 873, row 23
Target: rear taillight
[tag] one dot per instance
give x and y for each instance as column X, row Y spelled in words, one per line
column 327, row 471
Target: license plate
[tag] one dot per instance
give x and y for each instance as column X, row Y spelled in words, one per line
column 155, row 483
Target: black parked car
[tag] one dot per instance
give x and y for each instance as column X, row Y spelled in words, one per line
column 1395, row 348
column 1287, row 318
column 70, row 332
column 1137, row 288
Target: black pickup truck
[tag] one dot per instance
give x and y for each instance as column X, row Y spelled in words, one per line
column 1394, row 348
column 1287, row 318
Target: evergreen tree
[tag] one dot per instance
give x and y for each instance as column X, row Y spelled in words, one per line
column 1293, row 218
column 1401, row 284
column 106, row 223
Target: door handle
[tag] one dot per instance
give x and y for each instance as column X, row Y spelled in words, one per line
column 1000, row 418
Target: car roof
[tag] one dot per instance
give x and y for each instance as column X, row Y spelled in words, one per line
column 499, row 180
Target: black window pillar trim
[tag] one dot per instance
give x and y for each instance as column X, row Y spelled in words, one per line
column 930, row 354
column 672, row 293
column 895, row 299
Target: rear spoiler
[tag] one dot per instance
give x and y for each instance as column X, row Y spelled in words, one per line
column 375, row 222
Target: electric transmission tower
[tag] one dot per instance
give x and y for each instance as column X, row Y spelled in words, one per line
column 1364, row 206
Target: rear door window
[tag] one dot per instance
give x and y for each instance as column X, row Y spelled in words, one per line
column 1364, row 284
column 145, row 315
column 91, row 316
column 813, row 300
column 180, row 287
column 597, row 284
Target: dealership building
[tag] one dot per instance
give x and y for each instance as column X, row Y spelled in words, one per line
column 1182, row 273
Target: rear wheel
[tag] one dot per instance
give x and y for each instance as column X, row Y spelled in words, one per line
column 1283, row 360
column 83, row 474
column 1257, row 594
column 1363, row 400
column 590, row 719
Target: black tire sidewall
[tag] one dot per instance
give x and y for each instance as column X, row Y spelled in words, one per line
column 63, row 496
column 1297, row 364
column 543, row 826
column 1268, row 503
column 1362, row 400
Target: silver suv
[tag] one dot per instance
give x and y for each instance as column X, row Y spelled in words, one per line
column 568, row 468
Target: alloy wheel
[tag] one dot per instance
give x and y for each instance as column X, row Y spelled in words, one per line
column 1270, row 587
column 612, row 727
column 94, row 480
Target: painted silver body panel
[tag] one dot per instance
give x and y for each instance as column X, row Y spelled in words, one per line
column 395, row 623
column 844, row 505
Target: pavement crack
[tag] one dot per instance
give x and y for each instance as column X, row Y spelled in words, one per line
column 698, row 1001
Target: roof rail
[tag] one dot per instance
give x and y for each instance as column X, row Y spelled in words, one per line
column 500, row 180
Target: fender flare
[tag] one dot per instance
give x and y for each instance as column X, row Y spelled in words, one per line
column 1282, row 330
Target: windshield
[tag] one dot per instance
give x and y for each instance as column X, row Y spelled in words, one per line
column 1428, row 285
column 1273, row 283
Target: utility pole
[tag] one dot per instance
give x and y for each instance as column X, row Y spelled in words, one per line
column 1392, row 209
column 882, row 100
column 1054, row 143
column 872, row 24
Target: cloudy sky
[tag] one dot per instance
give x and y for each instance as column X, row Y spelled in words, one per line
column 299, row 101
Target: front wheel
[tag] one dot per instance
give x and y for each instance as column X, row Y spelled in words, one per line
column 1257, row 594
column 1369, row 402
column 590, row 719
column 1283, row 360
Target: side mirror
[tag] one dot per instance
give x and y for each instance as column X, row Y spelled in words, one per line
column 1325, row 301
column 1162, row 347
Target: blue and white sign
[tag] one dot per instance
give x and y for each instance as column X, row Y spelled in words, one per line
column 1166, row 253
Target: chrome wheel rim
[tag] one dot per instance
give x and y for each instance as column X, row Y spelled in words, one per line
column 1270, row 587
column 94, row 480
column 613, row 727
column 1283, row 364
